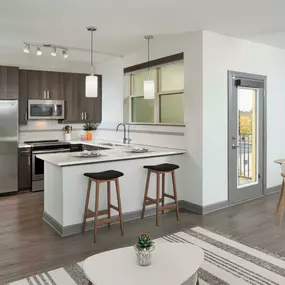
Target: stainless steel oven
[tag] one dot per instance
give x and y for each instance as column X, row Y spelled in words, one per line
column 43, row 147
column 38, row 164
column 45, row 109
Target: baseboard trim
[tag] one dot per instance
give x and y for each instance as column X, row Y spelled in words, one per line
column 195, row 208
column 150, row 211
column 202, row 210
column 272, row 190
column 77, row 228
column 52, row 223
column 215, row 207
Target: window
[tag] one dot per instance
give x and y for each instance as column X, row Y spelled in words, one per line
column 168, row 105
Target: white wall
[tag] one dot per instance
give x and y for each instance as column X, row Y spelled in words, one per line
column 220, row 54
column 190, row 136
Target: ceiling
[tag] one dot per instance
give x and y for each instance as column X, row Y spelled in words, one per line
column 123, row 23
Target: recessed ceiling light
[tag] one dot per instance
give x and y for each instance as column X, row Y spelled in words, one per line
column 27, row 48
column 53, row 53
column 64, row 52
column 39, row 52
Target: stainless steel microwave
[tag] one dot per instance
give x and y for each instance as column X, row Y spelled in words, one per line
column 45, row 109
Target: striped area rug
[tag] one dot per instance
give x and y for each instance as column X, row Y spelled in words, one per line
column 226, row 262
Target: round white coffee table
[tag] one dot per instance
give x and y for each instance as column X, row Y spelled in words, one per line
column 172, row 264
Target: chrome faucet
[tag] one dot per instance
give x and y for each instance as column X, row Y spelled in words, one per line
column 125, row 139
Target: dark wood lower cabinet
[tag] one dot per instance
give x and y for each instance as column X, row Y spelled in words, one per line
column 24, row 169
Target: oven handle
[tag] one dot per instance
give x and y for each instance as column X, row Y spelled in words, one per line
column 50, row 151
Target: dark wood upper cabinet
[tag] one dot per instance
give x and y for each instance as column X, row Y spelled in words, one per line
column 23, row 97
column 70, row 87
column 55, row 83
column 73, row 92
column 80, row 109
column 45, row 85
column 93, row 106
column 9, row 83
column 36, row 84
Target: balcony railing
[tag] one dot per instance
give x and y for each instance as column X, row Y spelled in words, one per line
column 245, row 156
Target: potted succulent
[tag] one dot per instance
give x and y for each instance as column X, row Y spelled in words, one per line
column 144, row 248
column 67, row 132
column 89, row 128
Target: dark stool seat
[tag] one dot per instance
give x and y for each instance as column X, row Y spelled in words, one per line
column 104, row 175
column 162, row 167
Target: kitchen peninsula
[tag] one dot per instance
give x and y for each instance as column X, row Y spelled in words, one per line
column 65, row 185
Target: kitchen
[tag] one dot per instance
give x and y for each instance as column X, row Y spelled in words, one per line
column 49, row 99
column 38, row 96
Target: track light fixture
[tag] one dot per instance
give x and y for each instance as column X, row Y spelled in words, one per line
column 39, row 52
column 27, row 48
column 40, row 47
column 64, row 53
column 53, row 52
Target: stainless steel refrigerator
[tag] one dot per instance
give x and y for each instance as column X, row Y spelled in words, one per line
column 8, row 146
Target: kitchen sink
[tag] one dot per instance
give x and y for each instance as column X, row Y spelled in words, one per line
column 111, row 144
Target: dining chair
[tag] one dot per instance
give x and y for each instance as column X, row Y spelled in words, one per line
column 281, row 199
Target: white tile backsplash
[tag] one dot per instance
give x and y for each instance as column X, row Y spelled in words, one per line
column 165, row 136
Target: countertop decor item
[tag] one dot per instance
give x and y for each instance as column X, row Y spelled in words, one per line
column 138, row 150
column 86, row 153
column 67, row 132
column 89, row 128
column 144, row 248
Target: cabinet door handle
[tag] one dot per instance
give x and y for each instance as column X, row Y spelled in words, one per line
column 82, row 118
column 29, row 160
column 85, row 115
column 45, row 95
column 48, row 94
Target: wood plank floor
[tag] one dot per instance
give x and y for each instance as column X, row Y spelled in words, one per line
column 28, row 246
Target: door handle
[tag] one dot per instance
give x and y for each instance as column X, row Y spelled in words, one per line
column 82, row 118
column 234, row 146
column 85, row 115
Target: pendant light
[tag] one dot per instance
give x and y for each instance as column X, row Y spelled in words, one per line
column 148, row 85
column 91, row 82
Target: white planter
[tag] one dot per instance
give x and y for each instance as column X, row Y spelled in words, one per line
column 67, row 137
column 144, row 256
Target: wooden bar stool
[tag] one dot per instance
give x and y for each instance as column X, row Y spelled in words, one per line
column 98, row 178
column 281, row 200
column 161, row 169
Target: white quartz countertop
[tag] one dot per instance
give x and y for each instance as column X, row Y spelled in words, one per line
column 111, row 153
column 23, row 145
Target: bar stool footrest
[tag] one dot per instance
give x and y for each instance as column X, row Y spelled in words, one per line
column 102, row 212
column 150, row 201
column 114, row 207
column 108, row 221
column 90, row 214
column 169, row 196
column 167, row 207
